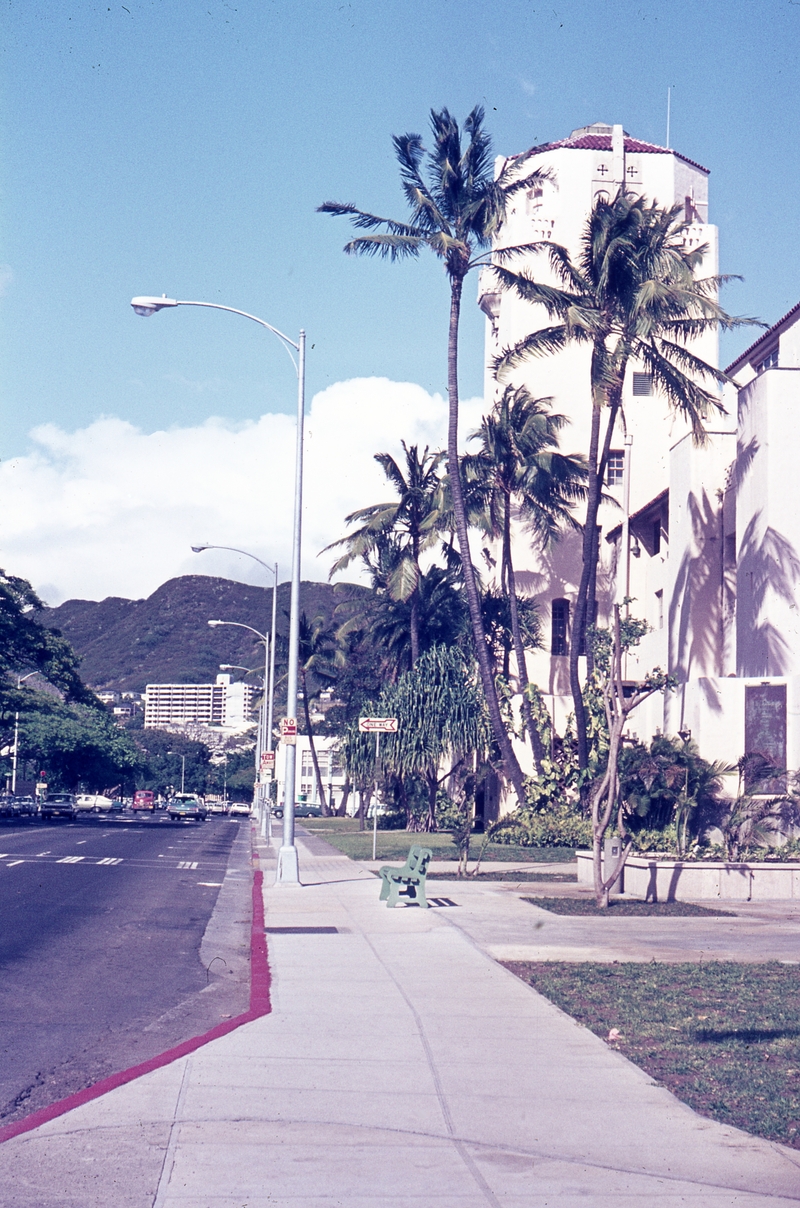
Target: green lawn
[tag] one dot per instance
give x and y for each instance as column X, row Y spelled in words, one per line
column 620, row 907
column 344, row 834
column 723, row 1037
column 513, row 875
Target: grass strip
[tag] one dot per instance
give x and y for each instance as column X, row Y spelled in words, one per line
column 514, row 875
column 620, row 906
column 724, row 1037
column 394, row 844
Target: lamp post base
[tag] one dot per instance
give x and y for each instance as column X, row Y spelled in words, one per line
column 288, row 872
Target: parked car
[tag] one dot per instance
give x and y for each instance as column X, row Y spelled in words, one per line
column 217, row 807
column 302, row 809
column 185, row 805
column 59, row 804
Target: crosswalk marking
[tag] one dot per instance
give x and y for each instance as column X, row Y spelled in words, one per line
column 110, row 860
column 43, row 853
column 71, row 860
column 13, row 863
column 188, row 864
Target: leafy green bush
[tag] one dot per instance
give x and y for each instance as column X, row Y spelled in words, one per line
column 558, row 828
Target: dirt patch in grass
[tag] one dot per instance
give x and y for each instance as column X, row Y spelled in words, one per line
column 621, row 906
column 515, row 875
column 723, row 1037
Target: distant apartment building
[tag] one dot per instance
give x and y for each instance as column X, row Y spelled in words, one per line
column 221, row 704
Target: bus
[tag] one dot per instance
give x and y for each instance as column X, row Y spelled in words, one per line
column 143, row 799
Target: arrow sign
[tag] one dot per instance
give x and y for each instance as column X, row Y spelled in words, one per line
column 377, row 725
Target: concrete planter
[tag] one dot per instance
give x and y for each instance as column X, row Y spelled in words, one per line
column 657, row 880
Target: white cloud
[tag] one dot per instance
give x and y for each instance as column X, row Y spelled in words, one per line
column 110, row 510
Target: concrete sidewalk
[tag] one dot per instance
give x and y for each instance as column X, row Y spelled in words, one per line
column 401, row 1065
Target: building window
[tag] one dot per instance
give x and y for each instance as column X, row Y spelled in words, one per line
column 559, row 639
column 659, row 609
column 642, row 383
column 615, row 467
column 770, row 361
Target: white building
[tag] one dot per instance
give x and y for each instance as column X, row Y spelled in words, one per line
column 330, row 767
column 713, row 545
column 226, row 705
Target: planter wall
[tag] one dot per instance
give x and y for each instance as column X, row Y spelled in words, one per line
column 656, row 880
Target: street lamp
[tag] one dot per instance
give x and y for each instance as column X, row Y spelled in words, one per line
column 267, row 715
column 267, row 680
column 288, row 873
column 260, row 744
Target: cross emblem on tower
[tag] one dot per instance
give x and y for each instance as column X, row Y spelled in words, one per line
column 631, row 171
column 602, row 170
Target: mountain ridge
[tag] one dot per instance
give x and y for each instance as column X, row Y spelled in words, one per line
column 165, row 638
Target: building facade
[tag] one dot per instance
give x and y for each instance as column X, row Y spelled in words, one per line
column 702, row 537
column 223, row 704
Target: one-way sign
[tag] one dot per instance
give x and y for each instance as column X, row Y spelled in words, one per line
column 378, row 725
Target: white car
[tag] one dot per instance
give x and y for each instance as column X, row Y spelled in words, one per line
column 92, row 803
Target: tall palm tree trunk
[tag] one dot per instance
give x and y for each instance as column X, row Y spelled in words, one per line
column 509, row 759
column 534, row 737
column 323, row 800
column 587, row 588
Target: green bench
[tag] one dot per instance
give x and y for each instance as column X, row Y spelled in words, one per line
column 408, row 880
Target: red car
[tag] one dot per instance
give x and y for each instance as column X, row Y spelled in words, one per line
column 143, row 799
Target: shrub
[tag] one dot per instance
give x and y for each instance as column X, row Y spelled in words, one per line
column 558, row 828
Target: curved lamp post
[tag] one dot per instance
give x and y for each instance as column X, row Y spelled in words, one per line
column 288, row 873
column 15, row 749
column 267, row 740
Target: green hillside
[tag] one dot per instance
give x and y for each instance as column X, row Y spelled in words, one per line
column 126, row 644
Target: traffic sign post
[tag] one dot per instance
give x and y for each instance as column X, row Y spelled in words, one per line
column 376, row 726
column 289, row 731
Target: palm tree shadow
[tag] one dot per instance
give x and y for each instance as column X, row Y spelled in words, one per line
column 767, row 562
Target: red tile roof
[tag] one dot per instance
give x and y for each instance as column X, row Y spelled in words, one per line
column 602, row 142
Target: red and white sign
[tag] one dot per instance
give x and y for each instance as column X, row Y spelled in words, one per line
column 377, row 725
column 289, row 730
column 268, row 759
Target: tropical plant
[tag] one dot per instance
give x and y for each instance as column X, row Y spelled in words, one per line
column 669, row 788
column 407, row 527
column 633, row 297
column 619, row 701
column 519, row 471
column 455, row 213
column 764, row 807
column 318, row 669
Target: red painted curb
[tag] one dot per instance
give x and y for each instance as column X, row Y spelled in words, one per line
column 259, row 1005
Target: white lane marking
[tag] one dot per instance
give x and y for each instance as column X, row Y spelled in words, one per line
column 211, row 884
column 110, row 860
column 187, row 864
column 161, row 856
column 13, row 863
column 71, row 860
column 3, row 854
column 43, row 853
column 80, row 841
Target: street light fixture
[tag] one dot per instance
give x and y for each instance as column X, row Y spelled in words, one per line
column 15, row 749
column 267, row 720
column 288, row 873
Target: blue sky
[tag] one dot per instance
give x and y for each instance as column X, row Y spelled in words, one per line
column 181, row 146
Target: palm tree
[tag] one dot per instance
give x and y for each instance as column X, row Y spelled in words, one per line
column 455, row 214
column 519, row 469
column 632, row 297
column 318, row 651
column 410, row 523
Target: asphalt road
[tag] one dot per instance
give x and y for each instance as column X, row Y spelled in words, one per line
column 101, row 923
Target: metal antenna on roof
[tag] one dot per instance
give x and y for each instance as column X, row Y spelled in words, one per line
column 669, row 91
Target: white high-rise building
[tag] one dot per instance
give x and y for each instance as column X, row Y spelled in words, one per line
column 223, row 704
